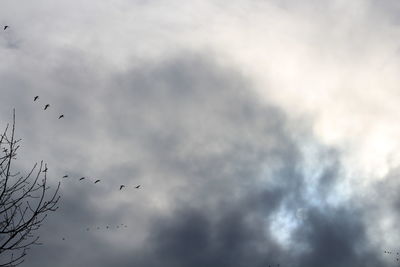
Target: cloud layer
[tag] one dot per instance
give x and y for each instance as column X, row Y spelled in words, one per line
column 262, row 133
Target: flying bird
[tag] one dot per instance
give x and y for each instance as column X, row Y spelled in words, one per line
column 137, row 187
column 80, row 179
column 96, row 181
column 122, row 186
column 47, row 105
column 61, row 116
column 65, row 176
column 36, row 98
column 5, row 27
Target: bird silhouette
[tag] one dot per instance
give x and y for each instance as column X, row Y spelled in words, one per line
column 45, row 169
column 137, row 187
column 63, row 238
column 122, row 186
column 46, row 106
column 80, row 179
column 61, row 116
column 5, row 27
column 36, row 98
column 96, row 181
column 65, row 176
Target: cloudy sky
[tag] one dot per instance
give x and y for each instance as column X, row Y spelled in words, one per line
column 262, row 132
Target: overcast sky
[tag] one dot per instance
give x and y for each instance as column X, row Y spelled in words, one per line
column 261, row 132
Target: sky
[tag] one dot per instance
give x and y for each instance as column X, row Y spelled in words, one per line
column 261, row 132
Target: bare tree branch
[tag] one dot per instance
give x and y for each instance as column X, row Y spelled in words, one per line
column 24, row 202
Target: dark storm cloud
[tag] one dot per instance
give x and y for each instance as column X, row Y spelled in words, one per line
column 205, row 133
column 336, row 237
column 191, row 129
column 193, row 238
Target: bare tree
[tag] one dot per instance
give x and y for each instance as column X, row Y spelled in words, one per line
column 24, row 201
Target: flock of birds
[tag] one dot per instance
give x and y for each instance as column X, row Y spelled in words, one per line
column 46, row 106
column 98, row 181
column 108, row 227
column 122, row 186
column 397, row 255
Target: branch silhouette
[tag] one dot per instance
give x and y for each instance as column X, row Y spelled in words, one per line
column 24, row 202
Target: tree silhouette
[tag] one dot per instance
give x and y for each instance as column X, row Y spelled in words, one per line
column 24, row 202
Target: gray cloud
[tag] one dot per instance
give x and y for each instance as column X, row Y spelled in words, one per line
column 337, row 237
column 221, row 164
column 223, row 171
